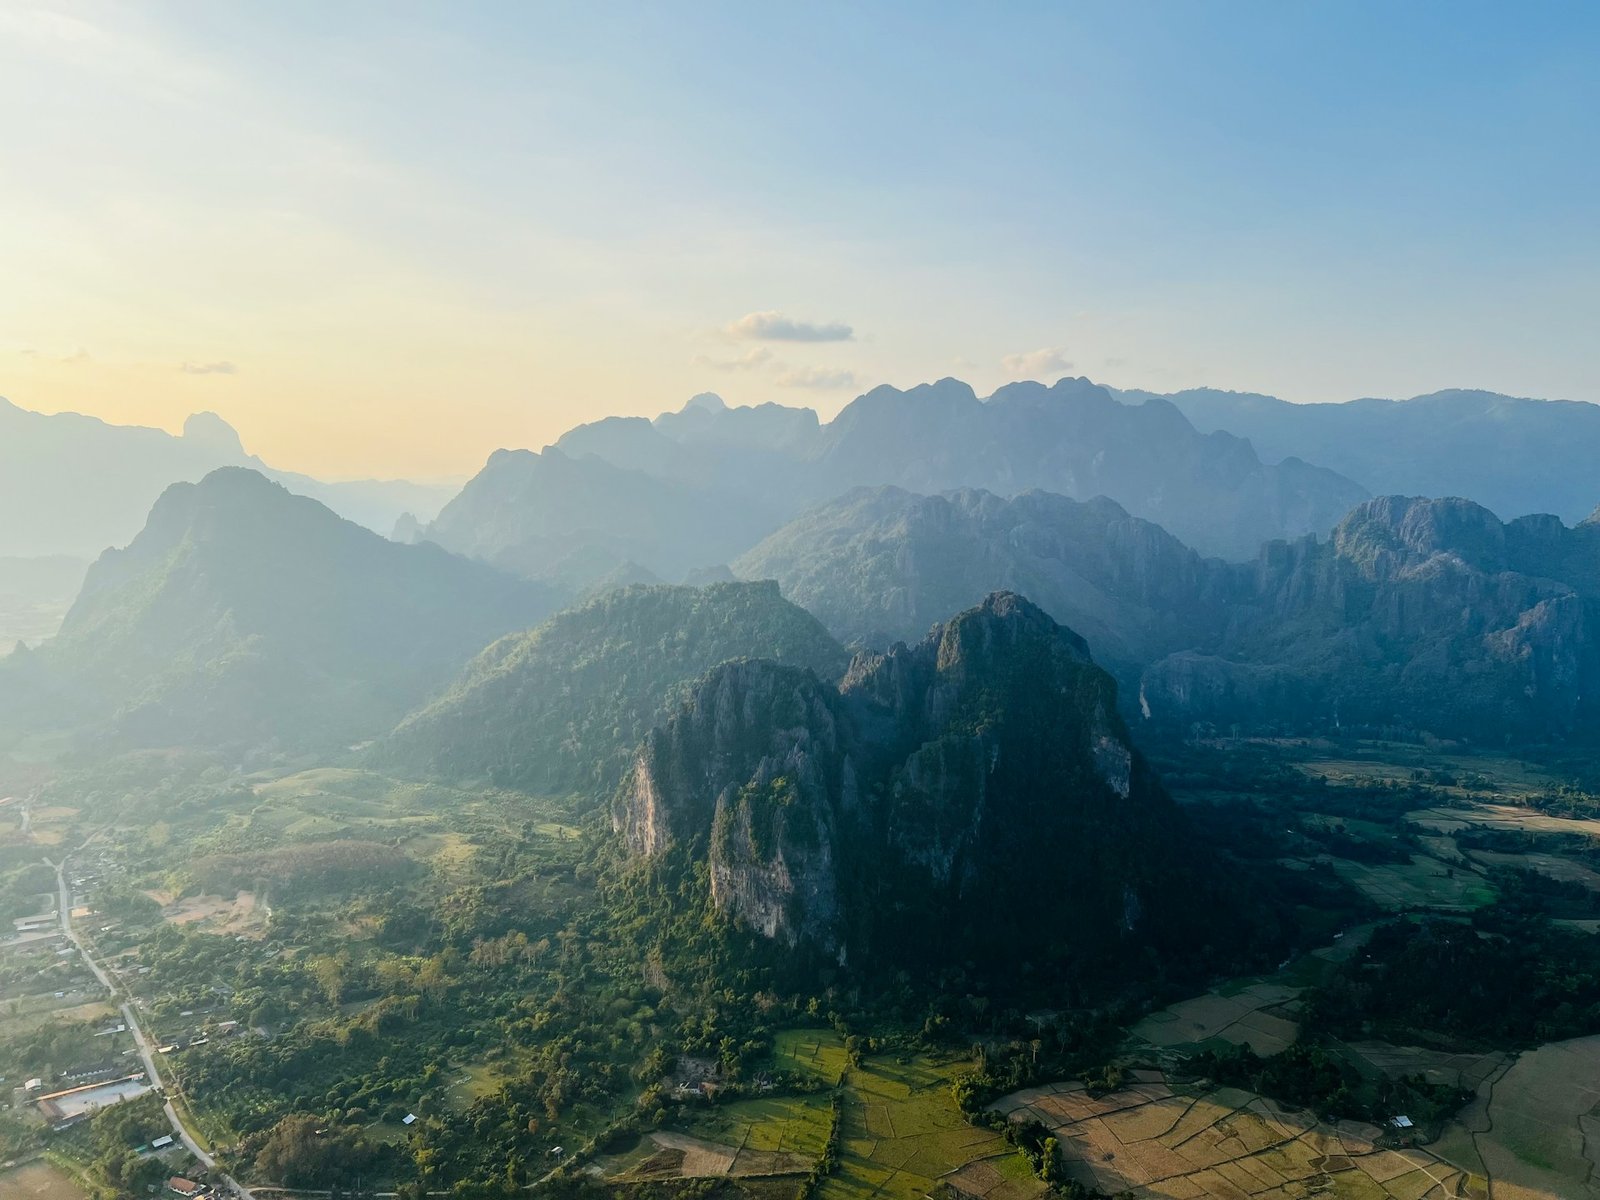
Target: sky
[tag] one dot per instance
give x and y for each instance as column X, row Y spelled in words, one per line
column 388, row 238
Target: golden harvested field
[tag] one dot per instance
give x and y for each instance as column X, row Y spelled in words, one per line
column 1534, row 1129
column 1154, row 1139
column 1500, row 816
column 1258, row 1015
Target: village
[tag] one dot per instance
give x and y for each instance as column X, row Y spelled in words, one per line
column 56, row 991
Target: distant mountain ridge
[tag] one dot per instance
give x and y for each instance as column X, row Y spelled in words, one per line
column 1513, row 455
column 74, row 485
column 242, row 614
column 573, row 522
column 698, row 487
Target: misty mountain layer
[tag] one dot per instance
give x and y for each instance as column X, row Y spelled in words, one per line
column 243, row 614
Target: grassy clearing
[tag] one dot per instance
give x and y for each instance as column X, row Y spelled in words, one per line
column 475, row 1082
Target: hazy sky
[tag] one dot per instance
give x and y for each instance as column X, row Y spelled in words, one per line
column 387, row 238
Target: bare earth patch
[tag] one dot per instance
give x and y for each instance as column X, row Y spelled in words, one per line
column 238, row 917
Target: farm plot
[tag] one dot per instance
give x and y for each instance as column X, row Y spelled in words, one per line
column 901, row 1133
column 1259, row 1015
column 1157, row 1139
column 770, row 1136
column 1467, row 1071
column 819, row 1052
column 1534, row 1129
column 1552, row 866
column 682, row 1156
column 1500, row 816
column 1424, row 882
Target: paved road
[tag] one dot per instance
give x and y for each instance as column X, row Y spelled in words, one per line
column 139, row 1038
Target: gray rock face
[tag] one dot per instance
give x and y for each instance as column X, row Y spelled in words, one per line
column 871, row 816
column 753, row 772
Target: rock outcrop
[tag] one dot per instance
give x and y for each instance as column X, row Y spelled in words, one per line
column 982, row 771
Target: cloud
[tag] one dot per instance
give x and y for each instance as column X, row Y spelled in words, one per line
column 820, row 378
column 755, row 357
column 1046, row 364
column 220, row 367
column 775, row 327
column 76, row 358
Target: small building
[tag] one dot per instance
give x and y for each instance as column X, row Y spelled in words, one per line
column 409, row 1119
column 33, row 1085
column 1400, row 1122
column 161, row 1143
column 179, row 1186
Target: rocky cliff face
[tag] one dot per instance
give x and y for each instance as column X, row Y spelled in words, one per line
column 983, row 771
column 753, row 773
column 1419, row 614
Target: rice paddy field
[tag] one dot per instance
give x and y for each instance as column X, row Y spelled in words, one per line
column 1534, row 1128
column 1154, row 1138
column 1423, row 883
column 902, row 1134
column 1259, row 1015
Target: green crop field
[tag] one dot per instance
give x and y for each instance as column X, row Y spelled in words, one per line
column 901, row 1131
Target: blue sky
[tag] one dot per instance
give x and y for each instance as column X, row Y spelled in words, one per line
column 388, row 238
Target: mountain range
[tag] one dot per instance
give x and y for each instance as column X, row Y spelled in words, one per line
column 244, row 614
column 698, row 487
column 73, row 485
column 1513, row 455
column 1415, row 614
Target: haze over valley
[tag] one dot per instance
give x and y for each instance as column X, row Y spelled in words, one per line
column 707, row 604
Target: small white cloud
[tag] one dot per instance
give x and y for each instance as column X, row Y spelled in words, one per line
column 819, row 378
column 221, row 367
column 775, row 327
column 1046, row 364
column 755, row 357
